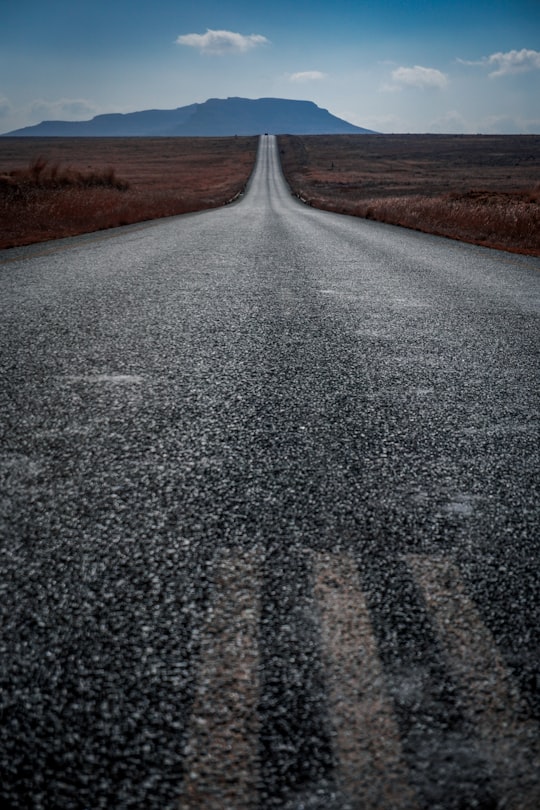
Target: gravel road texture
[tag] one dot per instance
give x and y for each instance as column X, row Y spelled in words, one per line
column 269, row 516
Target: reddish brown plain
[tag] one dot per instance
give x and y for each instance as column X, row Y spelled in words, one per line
column 56, row 187
column 483, row 189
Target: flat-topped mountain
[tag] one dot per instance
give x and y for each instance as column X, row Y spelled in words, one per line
column 231, row 116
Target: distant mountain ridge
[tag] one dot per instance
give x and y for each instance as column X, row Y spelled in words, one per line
column 215, row 117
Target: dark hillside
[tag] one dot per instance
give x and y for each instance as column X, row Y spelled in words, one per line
column 215, row 117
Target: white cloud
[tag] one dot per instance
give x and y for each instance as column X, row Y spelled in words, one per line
column 222, row 42
column 419, row 76
column 307, row 76
column 74, row 108
column 451, row 122
column 508, row 125
column 508, row 63
column 5, row 106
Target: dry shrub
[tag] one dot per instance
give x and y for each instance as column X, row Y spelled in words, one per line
column 424, row 182
column 161, row 177
column 43, row 202
column 40, row 175
column 507, row 221
column 62, row 212
column 502, row 220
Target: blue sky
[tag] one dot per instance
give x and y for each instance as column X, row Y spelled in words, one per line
column 389, row 65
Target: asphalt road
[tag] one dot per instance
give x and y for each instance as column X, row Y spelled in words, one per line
column 270, row 516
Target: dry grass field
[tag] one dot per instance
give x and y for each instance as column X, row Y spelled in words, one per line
column 483, row 189
column 56, row 187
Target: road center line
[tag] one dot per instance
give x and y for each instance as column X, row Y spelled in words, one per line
column 494, row 702
column 221, row 757
column 370, row 766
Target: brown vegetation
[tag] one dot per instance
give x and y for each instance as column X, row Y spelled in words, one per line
column 483, row 189
column 56, row 187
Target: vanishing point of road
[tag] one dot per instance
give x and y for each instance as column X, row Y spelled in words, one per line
column 270, row 516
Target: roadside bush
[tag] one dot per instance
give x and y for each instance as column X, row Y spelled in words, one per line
column 40, row 175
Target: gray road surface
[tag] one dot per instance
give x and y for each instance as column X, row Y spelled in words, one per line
column 270, row 516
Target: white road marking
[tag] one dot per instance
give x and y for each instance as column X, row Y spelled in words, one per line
column 494, row 704
column 221, row 758
column 371, row 771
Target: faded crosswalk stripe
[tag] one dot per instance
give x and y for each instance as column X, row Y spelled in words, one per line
column 371, row 771
column 494, row 702
column 221, row 758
